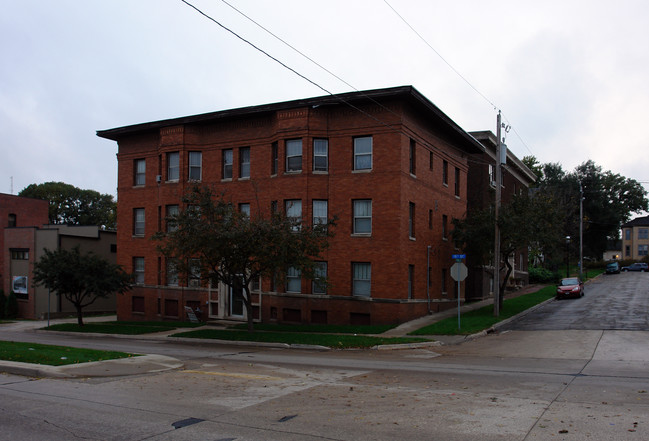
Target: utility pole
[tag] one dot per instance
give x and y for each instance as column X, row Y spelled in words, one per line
column 497, row 292
column 581, row 231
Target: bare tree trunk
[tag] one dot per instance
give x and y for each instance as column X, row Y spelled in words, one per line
column 79, row 314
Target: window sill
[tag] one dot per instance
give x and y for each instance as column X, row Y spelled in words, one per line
column 365, row 170
column 412, row 238
column 361, row 235
column 320, row 172
column 171, row 181
column 292, row 172
column 245, row 178
column 226, row 180
column 412, row 175
column 139, row 186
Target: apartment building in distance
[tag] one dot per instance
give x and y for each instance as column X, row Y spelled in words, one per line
column 635, row 238
column 516, row 179
column 388, row 163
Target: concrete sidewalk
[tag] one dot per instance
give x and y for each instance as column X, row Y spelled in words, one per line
column 156, row 363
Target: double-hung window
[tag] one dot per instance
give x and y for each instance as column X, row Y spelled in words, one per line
column 171, row 213
column 138, row 222
column 294, row 155
column 274, row 158
column 244, row 162
column 227, row 164
column 457, row 181
column 363, row 153
column 320, row 277
column 643, row 233
column 362, row 216
column 643, row 250
column 413, row 157
column 138, row 270
column 319, row 212
column 195, row 166
column 293, row 209
column 140, row 172
column 245, row 209
column 320, row 155
column 361, row 279
column 293, row 280
column 173, row 166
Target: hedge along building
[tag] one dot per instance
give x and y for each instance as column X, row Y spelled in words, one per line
column 388, row 163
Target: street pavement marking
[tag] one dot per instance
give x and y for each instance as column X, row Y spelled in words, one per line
column 225, row 374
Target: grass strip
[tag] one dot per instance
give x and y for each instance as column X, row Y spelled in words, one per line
column 329, row 340
column 480, row 319
column 53, row 355
column 317, row 329
column 122, row 327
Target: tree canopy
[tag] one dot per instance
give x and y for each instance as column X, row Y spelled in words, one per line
column 70, row 205
column 80, row 278
column 215, row 241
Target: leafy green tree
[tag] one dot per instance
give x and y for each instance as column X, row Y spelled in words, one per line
column 609, row 201
column 212, row 238
column 70, row 205
column 80, row 278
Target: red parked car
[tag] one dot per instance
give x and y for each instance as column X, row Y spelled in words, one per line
column 570, row 287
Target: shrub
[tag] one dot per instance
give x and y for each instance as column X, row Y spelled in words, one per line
column 3, row 300
column 11, row 306
column 542, row 275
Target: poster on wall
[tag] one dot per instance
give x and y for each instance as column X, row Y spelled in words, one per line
column 19, row 286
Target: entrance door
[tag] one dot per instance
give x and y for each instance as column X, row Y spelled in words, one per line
column 236, row 299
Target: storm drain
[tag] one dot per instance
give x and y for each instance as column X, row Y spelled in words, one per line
column 186, row 422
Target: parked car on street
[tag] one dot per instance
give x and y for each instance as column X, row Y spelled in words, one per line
column 570, row 287
column 638, row 266
column 612, row 268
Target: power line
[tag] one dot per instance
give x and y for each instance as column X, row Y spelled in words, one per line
column 475, row 89
column 425, row 143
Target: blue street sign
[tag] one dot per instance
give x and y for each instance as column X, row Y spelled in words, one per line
column 459, row 256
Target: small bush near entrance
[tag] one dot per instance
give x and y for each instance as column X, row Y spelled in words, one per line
column 542, row 275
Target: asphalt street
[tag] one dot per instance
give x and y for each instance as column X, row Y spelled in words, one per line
column 521, row 383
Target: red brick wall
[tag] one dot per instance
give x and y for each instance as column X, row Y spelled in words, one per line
column 389, row 185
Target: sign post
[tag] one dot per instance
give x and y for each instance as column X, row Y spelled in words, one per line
column 458, row 272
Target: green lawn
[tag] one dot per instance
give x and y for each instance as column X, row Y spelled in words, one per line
column 122, row 327
column 329, row 340
column 481, row 319
column 316, row 329
column 53, row 355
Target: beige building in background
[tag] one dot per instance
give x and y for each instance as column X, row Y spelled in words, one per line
column 23, row 246
column 635, row 239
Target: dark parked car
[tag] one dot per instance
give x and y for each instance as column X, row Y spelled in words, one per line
column 570, row 287
column 613, row 268
column 638, row 266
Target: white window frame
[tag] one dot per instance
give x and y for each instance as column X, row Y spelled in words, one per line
column 320, row 211
column 293, row 280
column 362, row 279
column 138, row 270
column 361, row 155
column 320, row 155
column 359, row 215
column 320, row 275
column 139, row 222
column 244, row 163
column 293, row 151
column 195, row 166
column 140, row 172
column 227, row 160
column 173, row 166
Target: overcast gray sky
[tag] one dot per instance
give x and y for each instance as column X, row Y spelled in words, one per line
column 571, row 77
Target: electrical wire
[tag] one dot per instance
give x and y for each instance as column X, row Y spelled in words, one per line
column 475, row 89
column 431, row 147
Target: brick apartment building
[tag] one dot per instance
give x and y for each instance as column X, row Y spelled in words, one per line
column 516, row 179
column 17, row 211
column 388, row 163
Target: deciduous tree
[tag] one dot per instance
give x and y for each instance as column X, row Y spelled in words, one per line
column 213, row 239
column 80, row 278
column 70, row 205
